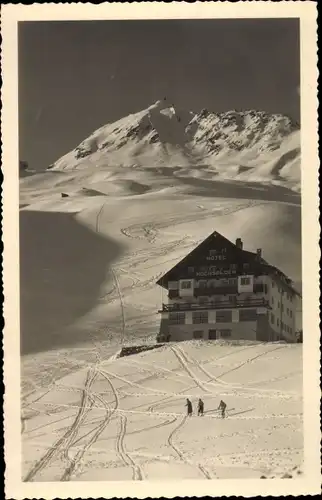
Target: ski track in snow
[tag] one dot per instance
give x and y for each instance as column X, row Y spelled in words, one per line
column 137, row 471
column 97, row 432
column 218, row 380
column 76, row 441
column 179, row 452
column 65, row 440
column 117, row 285
column 149, row 231
column 181, row 359
column 121, row 305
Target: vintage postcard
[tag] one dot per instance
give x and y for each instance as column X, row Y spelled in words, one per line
column 161, row 255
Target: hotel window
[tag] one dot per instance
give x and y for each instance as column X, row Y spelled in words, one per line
column 185, row 285
column 282, row 306
column 198, row 334
column 247, row 315
column 245, row 281
column 278, row 322
column 224, row 316
column 177, row 318
column 232, row 299
column 282, row 325
column 291, row 313
column 272, row 301
column 278, row 305
column 288, row 311
column 172, row 294
column 225, row 334
column 225, row 281
column 232, row 281
column 272, row 318
column 265, row 289
column 199, row 317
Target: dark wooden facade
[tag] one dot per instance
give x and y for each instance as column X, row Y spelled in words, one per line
column 217, row 257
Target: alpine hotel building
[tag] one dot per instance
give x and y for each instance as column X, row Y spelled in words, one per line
column 220, row 290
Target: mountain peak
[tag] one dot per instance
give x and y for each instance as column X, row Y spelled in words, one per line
column 163, row 135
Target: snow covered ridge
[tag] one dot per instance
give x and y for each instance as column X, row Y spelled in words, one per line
column 244, row 145
column 238, row 130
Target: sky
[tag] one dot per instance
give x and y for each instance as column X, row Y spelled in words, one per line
column 76, row 76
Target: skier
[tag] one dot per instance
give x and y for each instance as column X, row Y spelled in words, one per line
column 200, row 407
column 189, row 407
column 222, row 406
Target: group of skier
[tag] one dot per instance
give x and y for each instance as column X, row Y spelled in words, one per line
column 222, row 407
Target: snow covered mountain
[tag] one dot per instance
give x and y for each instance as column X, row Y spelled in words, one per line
column 97, row 230
column 246, row 145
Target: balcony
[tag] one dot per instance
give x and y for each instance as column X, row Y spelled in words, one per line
column 227, row 304
column 218, row 290
column 215, row 290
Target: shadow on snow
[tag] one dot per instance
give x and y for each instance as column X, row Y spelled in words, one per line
column 62, row 266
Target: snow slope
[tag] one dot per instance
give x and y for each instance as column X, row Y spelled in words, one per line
column 90, row 273
column 124, row 419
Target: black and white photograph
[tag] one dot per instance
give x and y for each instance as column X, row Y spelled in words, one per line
column 160, row 171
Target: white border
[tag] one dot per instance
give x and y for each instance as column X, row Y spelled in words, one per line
column 310, row 482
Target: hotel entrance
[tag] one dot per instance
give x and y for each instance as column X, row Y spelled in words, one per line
column 212, row 335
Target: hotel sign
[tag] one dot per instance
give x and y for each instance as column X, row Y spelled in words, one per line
column 217, row 255
column 215, row 271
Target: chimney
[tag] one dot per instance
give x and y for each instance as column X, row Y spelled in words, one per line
column 259, row 253
column 239, row 243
